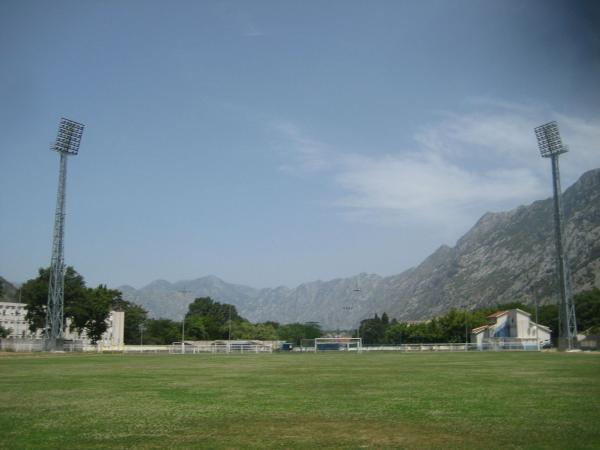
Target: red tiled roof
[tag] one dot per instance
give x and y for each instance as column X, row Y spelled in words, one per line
column 479, row 329
column 498, row 314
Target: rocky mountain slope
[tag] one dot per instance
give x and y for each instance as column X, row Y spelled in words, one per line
column 505, row 257
column 9, row 291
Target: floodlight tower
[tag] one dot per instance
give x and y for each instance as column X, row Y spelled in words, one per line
column 551, row 146
column 67, row 143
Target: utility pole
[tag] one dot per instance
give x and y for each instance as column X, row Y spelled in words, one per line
column 183, row 291
column 183, row 335
column 67, row 143
column 142, row 327
column 537, row 326
column 229, row 336
column 535, row 299
column 357, row 290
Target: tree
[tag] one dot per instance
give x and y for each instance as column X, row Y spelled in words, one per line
column 88, row 309
column 265, row 332
column 426, row 332
column 215, row 316
column 35, row 294
column 90, row 314
column 397, row 333
column 385, row 319
column 242, row 330
column 587, row 309
column 4, row 332
column 195, row 328
column 454, row 326
column 296, row 332
column 372, row 331
column 162, row 331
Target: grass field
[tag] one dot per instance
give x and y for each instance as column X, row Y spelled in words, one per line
column 339, row 400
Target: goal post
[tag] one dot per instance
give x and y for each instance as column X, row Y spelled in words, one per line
column 343, row 344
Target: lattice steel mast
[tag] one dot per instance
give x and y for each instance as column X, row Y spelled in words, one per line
column 67, row 143
column 551, row 146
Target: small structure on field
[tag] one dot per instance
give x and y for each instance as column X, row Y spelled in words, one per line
column 512, row 328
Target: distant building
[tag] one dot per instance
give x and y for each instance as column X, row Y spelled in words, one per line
column 513, row 327
column 12, row 318
column 112, row 337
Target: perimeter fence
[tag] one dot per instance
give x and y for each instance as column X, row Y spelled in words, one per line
column 249, row 347
column 496, row 346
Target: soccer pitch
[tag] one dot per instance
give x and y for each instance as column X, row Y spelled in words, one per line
column 331, row 400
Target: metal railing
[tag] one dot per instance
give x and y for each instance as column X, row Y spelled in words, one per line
column 233, row 347
column 37, row 345
column 21, row 345
column 500, row 345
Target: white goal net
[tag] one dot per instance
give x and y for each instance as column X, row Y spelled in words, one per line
column 338, row 344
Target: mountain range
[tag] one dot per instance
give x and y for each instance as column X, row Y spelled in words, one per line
column 504, row 257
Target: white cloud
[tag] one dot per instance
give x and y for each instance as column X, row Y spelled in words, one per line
column 304, row 154
column 583, row 138
column 484, row 159
column 429, row 187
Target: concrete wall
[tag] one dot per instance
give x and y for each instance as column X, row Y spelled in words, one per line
column 522, row 323
column 114, row 336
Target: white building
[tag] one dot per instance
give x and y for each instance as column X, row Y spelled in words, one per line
column 513, row 328
column 12, row 318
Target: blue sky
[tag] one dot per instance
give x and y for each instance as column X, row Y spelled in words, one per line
column 271, row 142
